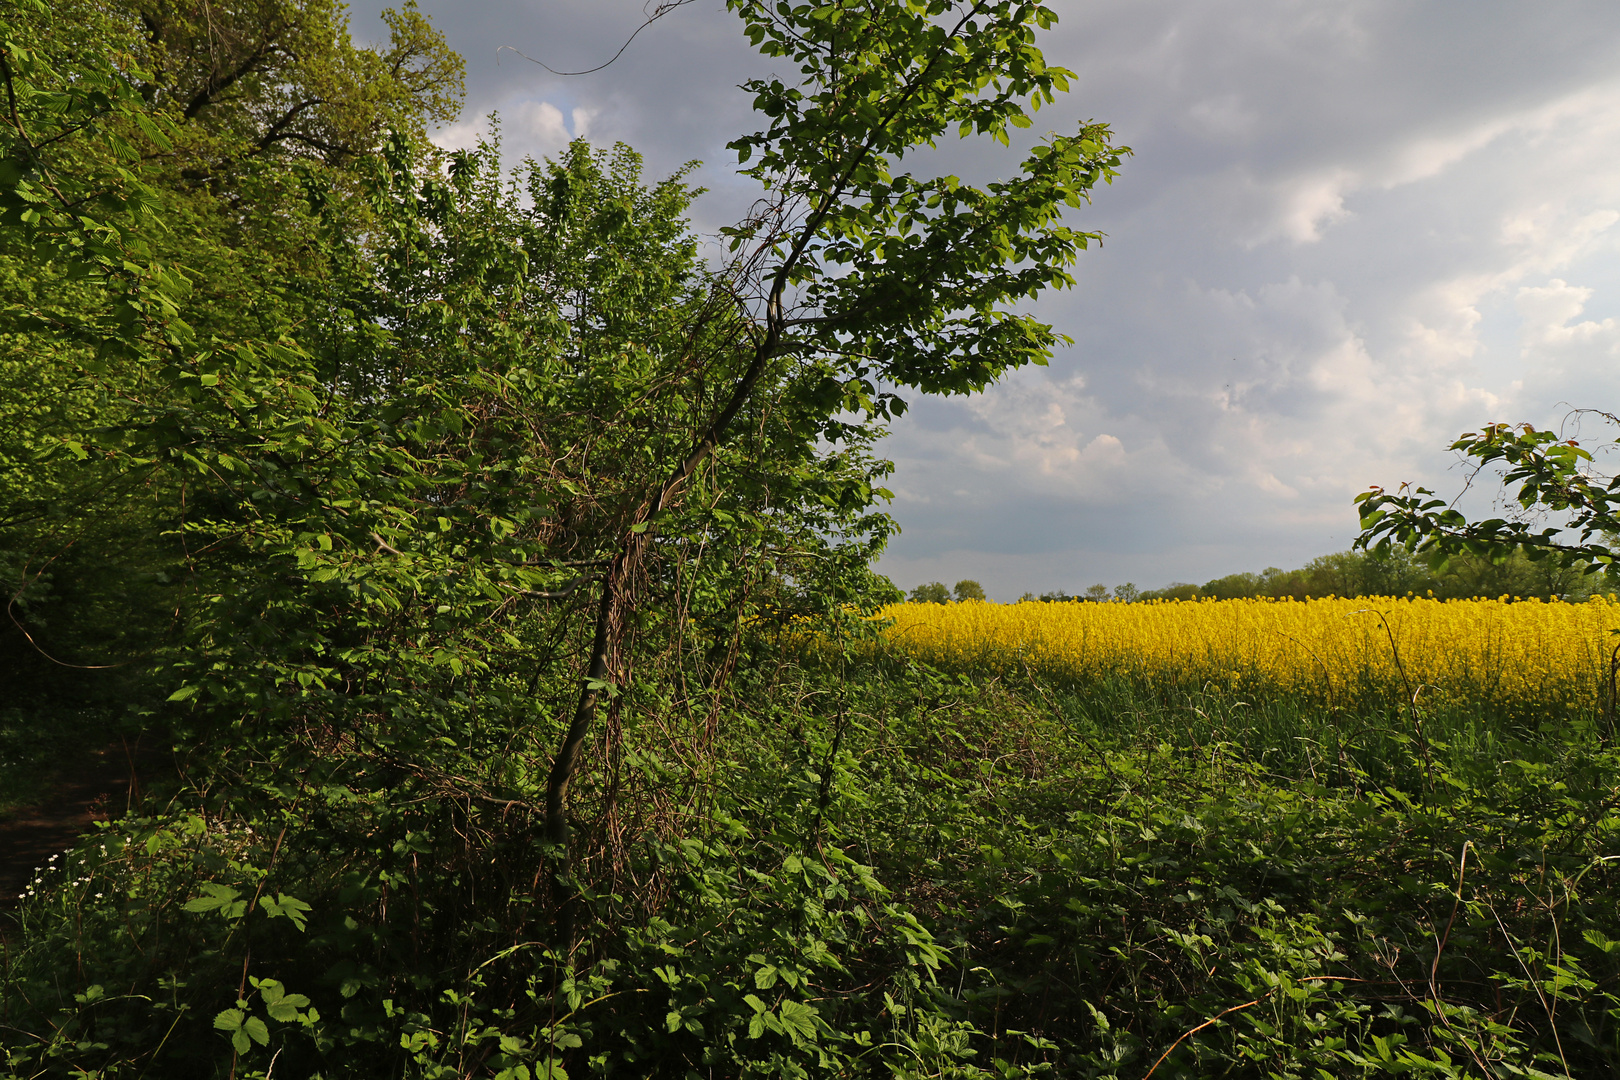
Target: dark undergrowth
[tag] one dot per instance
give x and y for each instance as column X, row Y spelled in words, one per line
column 41, row 746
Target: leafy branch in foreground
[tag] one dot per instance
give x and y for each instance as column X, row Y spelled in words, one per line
column 1552, row 474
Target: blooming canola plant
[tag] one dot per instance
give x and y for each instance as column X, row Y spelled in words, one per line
column 1517, row 653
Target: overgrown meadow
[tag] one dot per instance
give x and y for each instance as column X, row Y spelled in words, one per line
column 854, row 864
column 496, row 567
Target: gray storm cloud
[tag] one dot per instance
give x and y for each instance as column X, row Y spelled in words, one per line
column 1349, row 232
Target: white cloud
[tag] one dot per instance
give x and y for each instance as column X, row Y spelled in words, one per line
column 1561, row 352
column 1309, row 205
column 1547, row 311
column 528, row 129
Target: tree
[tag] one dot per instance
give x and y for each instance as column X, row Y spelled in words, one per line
column 861, row 276
column 1176, row 590
column 1127, row 593
column 186, row 138
column 1097, row 594
column 969, row 590
column 282, row 76
column 391, row 471
column 1232, row 586
column 933, row 592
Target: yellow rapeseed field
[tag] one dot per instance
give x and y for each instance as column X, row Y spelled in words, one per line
column 1526, row 652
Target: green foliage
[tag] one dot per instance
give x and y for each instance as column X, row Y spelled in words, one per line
column 35, row 746
column 903, row 874
column 282, row 76
column 968, row 590
column 1555, row 479
column 1094, row 594
column 899, row 278
column 935, row 592
column 136, row 232
column 1396, row 572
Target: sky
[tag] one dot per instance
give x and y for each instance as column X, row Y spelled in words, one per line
column 1349, row 232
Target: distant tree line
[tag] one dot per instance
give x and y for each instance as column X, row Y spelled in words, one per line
column 1398, row 573
column 1345, row 573
column 1096, row 594
column 935, row 592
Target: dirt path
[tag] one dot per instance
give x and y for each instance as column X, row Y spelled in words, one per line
column 105, row 784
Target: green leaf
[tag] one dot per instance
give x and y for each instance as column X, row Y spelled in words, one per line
column 611, row 689
column 286, row 907
column 242, row 1028
column 279, row 1004
column 145, row 123
column 220, row 898
column 798, row 1020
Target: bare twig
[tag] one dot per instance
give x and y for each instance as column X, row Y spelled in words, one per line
column 658, row 13
column 1201, row 1027
column 1239, row 1008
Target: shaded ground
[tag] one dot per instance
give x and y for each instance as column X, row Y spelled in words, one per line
column 103, row 784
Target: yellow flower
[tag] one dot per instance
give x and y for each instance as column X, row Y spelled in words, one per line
column 1528, row 652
